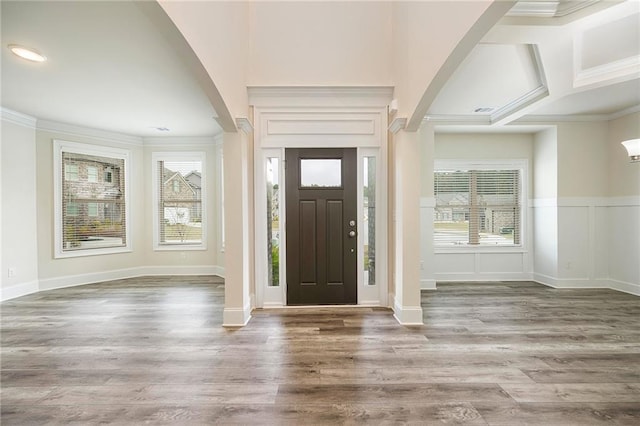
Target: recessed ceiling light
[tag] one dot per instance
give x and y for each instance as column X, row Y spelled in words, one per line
column 27, row 53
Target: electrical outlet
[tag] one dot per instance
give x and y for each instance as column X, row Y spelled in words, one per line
column 11, row 272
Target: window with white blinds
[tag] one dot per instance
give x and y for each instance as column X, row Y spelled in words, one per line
column 179, row 188
column 478, row 207
column 91, row 215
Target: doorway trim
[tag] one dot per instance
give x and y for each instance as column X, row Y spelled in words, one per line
column 294, row 117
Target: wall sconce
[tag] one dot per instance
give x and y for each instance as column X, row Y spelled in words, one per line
column 633, row 149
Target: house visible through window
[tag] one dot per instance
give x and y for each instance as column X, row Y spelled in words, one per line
column 178, row 200
column 71, row 209
column 91, row 207
column 477, row 207
column 92, row 174
column 70, row 171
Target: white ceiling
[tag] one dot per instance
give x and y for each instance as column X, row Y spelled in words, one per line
column 582, row 62
column 109, row 68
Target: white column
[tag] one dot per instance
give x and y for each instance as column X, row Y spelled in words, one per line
column 407, row 186
column 237, row 301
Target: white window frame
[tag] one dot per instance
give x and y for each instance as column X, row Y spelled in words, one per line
column 177, row 156
column 220, row 175
column 59, row 147
column 507, row 164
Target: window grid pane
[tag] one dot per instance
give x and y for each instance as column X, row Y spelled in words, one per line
column 85, row 225
column 477, row 207
column 180, row 202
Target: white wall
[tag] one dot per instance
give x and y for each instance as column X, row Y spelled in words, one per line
column 478, row 264
column 544, row 205
column 218, row 33
column 28, row 230
column 320, row 44
column 70, row 271
column 593, row 209
column 19, row 241
column 623, row 216
column 184, row 261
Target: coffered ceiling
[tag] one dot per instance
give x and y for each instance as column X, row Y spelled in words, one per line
column 535, row 66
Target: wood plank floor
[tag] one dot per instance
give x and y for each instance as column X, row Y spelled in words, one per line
column 152, row 350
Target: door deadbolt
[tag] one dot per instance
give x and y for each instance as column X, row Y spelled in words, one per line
column 352, row 223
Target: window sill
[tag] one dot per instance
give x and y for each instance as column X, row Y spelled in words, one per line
column 479, row 249
column 180, row 247
column 91, row 252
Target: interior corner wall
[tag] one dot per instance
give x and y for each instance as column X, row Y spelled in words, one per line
column 583, row 220
column 488, row 265
column 142, row 260
column 544, row 206
column 19, row 223
column 56, row 273
column 208, row 261
column 622, row 216
column 427, row 204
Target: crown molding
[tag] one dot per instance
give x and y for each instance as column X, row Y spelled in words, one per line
column 622, row 68
column 18, row 118
column 503, row 113
column 623, row 112
column 74, row 130
column 543, row 119
column 180, row 142
column 244, row 124
column 550, row 118
column 452, row 119
column 544, row 9
column 305, row 96
column 397, row 124
column 548, row 9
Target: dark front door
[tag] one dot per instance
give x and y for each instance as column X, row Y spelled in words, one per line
column 321, row 226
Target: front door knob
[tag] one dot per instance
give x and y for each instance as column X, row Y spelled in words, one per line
column 352, row 234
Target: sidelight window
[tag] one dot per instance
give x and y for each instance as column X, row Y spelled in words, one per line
column 273, row 221
column 369, row 219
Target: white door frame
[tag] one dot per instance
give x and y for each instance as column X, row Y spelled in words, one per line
column 319, row 118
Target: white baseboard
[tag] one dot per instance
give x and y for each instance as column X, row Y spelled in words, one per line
column 182, row 270
column 624, row 287
column 18, row 290
column 483, row 277
column 568, row 282
column 236, row 317
column 407, row 315
column 90, row 278
column 427, row 284
column 119, row 274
